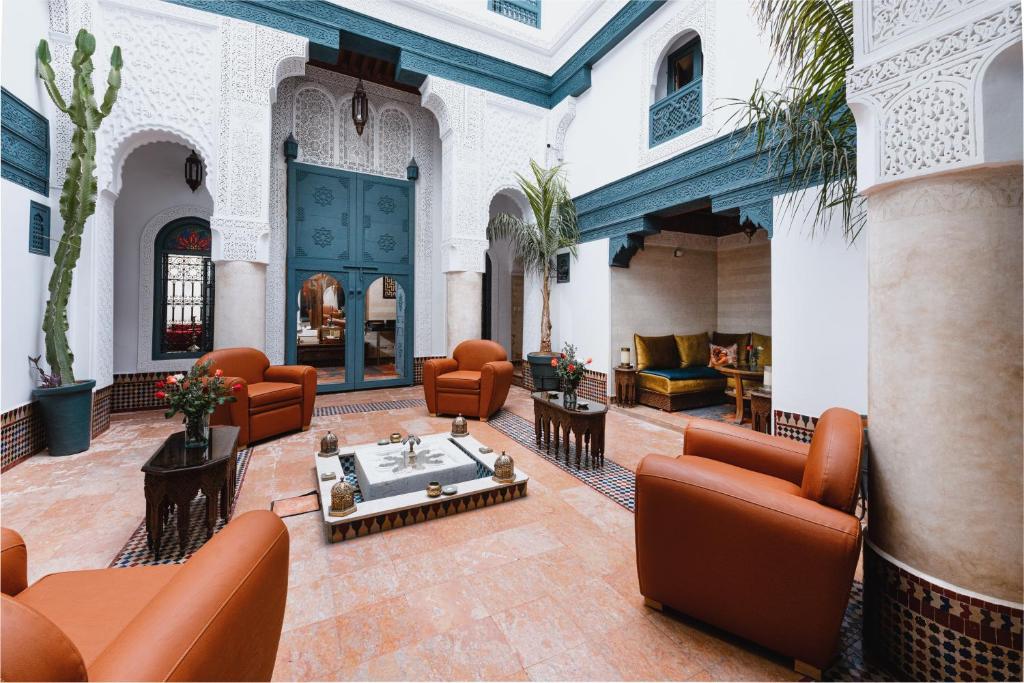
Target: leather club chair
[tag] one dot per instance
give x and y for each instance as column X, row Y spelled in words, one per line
column 475, row 382
column 754, row 533
column 217, row 617
column 276, row 398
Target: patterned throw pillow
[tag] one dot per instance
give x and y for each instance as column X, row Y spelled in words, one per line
column 722, row 355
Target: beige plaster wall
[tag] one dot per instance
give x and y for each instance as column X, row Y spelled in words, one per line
column 745, row 284
column 661, row 294
column 239, row 305
column 465, row 292
column 945, row 377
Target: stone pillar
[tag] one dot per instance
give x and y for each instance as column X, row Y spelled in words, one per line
column 943, row 567
column 464, row 301
column 239, row 313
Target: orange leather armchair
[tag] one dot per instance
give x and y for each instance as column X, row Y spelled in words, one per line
column 217, row 617
column 275, row 399
column 475, row 382
column 755, row 533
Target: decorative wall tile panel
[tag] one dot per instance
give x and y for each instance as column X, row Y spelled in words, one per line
column 25, row 142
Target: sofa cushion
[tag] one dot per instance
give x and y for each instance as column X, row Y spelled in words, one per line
column 93, row 607
column 693, row 349
column 265, row 393
column 681, row 380
column 465, row 380
column 656, row 352
column 764, row 340
column 740, row 340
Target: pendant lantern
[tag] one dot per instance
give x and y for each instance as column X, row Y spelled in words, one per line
column 194, row 171
column 360, row 108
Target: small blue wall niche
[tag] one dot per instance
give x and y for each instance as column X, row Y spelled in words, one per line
column 39, row 229
column 524, row 11
column 25, row 140
column 727, row 170
column 328, row 26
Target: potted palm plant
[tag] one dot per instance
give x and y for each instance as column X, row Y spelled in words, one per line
column 66, row 404
column 535, row 244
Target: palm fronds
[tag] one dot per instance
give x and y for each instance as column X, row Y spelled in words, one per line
column 805, row 128
column 553, row 229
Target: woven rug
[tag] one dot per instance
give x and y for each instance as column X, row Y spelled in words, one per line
column 136, row 552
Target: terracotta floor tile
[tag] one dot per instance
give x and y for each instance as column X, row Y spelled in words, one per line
column 477, row 651
column 374, row 630
column 538, row 630
column 509, row 585
column 640, row 651
column 309, row 602
column 445, row 606
column 406, row 664
column 308, row 653
column 582, row 663
column 365, row 586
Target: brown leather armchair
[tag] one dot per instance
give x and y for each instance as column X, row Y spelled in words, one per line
column 217, row 617
column 755, row 533
column 475, row 382
column 275, row 399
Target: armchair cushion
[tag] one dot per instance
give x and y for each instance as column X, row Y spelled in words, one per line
column 693, row 349
column 472, row 354
column 656, row 352
column 740, row 340
column 34, row 649
column 267, row 393
column 249, row 364
column 772, row 455
column 833, row 462
column 104, row 602
column 467, row 380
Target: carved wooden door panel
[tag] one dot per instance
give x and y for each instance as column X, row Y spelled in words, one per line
column 385, row 213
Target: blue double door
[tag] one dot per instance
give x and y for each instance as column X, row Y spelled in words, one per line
column 350, row 277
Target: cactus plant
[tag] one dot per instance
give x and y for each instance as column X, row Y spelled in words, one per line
column 78, row 195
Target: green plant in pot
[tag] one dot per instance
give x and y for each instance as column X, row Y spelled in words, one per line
column 535, row 243
column 66, row 404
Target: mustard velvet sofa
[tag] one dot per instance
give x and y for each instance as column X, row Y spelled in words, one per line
column 673, row 372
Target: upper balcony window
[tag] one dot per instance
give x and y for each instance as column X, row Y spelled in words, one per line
column 524, row 11
column 679, row 106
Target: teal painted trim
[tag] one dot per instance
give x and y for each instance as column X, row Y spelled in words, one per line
column 38, row 229
column 727, row 170
column 680, row 112
column 24, row 144
column 622, row 248
column 328, row 26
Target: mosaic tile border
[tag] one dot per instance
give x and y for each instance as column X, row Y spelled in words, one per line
column 369, row 407
column 795, row 426
column 136, row 553
column 134, row 391
column 593, row 387
column 928, row 632
column 102, row 401
column 22, row 434
column 417, row 368
column 434, row 509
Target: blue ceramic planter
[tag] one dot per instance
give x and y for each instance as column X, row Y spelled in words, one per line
column 67, row 416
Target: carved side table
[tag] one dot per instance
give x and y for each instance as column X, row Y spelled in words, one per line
column 551, row 417
column 761, row 409
column 625, row 387
column 175, row 475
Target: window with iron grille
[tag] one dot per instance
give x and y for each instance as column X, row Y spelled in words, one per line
column 183, row 295
column 681, row 108
column 524, row 11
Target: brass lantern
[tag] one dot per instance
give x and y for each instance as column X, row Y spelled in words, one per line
column 460, row 427
column 343, row 499
column 360, row 107
column 329, row 445
column 193, row 171
column 504, row 469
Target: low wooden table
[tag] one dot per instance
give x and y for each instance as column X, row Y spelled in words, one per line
column 740, row 374
column 761, row 409
column 175, row 474
column 625, row 386
column 549, row 415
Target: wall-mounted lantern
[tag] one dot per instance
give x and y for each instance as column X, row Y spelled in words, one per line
column 194, row 171
column 360, row 108
column 412, row 172
column 291, row 147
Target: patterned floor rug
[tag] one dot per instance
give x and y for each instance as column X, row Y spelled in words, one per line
column 136, row 552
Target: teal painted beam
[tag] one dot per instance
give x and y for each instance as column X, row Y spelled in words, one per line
column 328, row 27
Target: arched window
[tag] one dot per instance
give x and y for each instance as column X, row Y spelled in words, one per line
column 679, row 104
column 183, row 295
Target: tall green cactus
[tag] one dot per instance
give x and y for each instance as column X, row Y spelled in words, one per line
column 78, row 195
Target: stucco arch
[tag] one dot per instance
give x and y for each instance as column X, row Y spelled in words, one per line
column 999, row 101
column 657, row 79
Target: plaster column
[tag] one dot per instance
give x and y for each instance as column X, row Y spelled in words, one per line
column 937, row 100
column 464, row 301
column 239, row 313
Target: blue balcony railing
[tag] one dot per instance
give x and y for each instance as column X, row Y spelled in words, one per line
column 674, row 115
column 524, row 11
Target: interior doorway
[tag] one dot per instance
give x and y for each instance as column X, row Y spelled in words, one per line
column 350, row 281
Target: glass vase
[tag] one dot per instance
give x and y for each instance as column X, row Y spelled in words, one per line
column 197, row 430
column 569, row 396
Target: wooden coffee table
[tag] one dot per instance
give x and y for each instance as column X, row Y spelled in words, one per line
column 175, row 474
column 740, row 374
column 549, row 415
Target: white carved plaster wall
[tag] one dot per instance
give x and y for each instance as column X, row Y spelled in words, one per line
column 697, row 16
column 559, row 120
column 146, row 254
column 316, row 108
column 919, row 103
